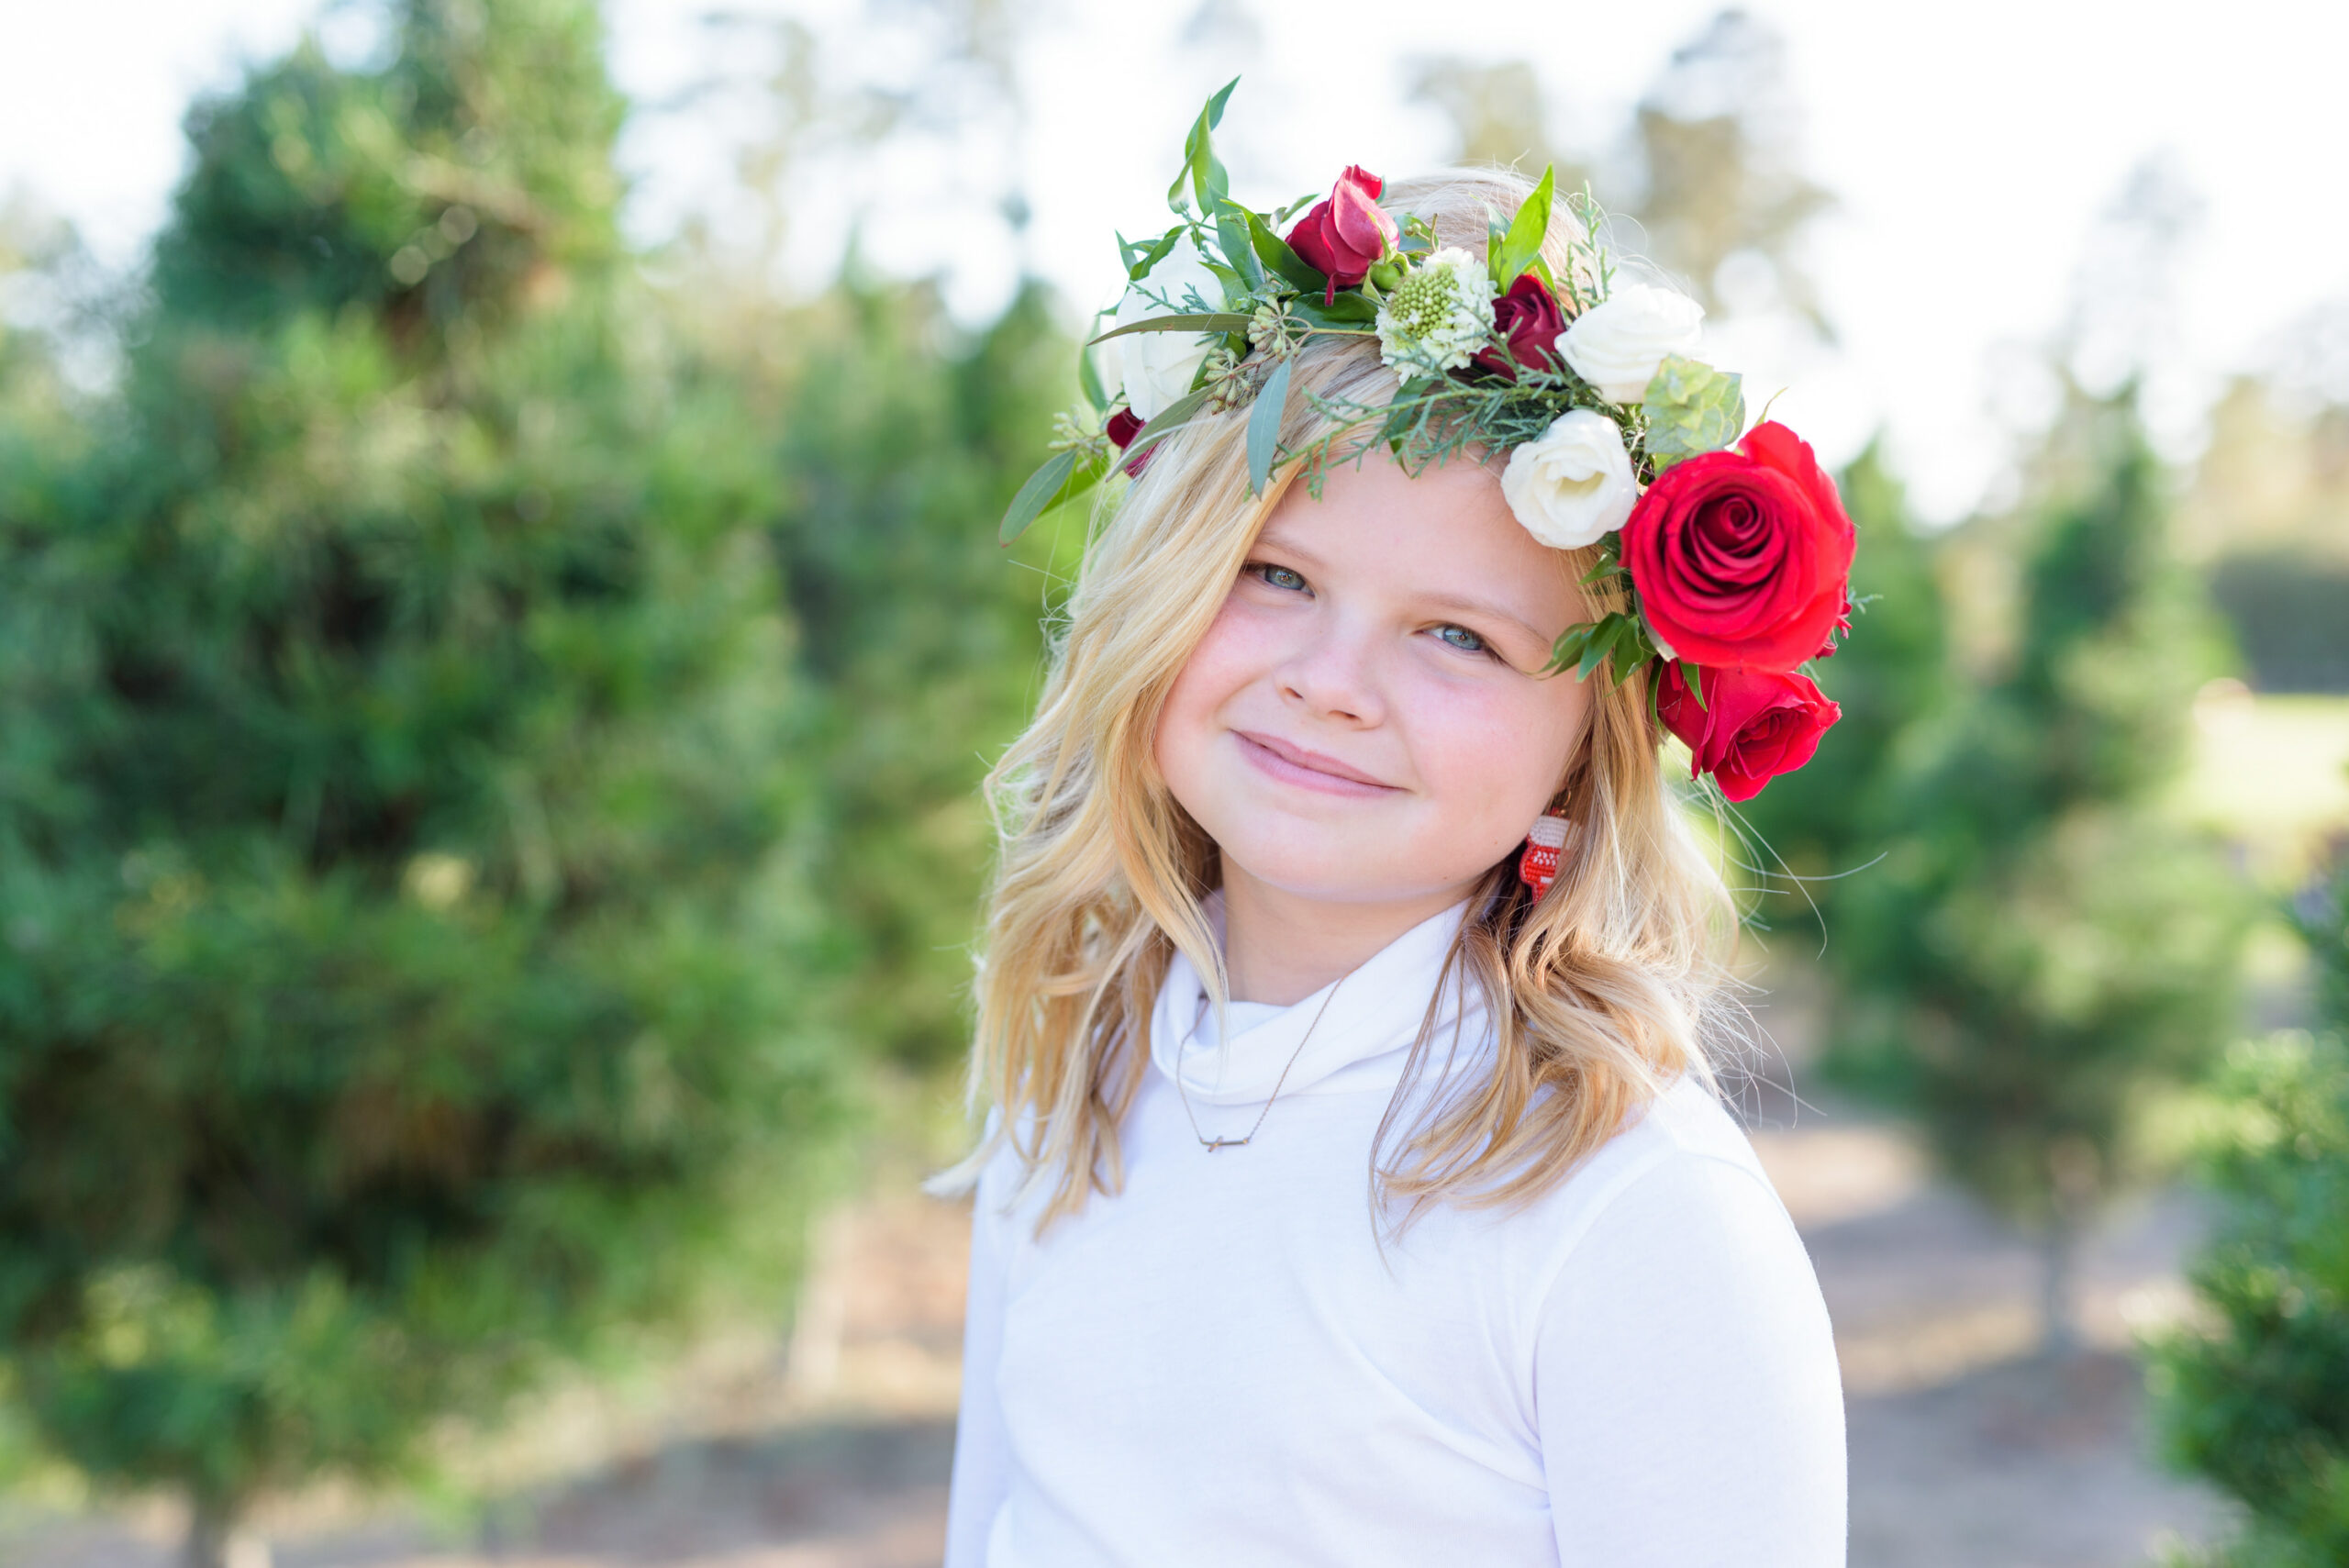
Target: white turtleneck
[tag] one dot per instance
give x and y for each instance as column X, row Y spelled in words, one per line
column 1222, row 1364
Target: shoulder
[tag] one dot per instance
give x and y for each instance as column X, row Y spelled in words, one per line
column 1676, row 1200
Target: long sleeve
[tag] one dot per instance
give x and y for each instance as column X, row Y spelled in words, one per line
column 982, row 1460
column 1687, row 1391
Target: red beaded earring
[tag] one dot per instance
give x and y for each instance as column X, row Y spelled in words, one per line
column 1538, row 866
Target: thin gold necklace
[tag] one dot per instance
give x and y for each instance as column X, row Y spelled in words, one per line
column 1212, row 1144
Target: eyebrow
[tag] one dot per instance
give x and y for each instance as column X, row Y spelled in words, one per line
column 1456, row 603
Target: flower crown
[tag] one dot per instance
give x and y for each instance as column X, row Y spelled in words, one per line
column 1729, row 547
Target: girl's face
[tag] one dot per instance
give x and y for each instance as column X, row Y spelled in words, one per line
column 1366, row 721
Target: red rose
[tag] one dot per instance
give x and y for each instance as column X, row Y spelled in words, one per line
column 1341, row 238
column 1529, row 320
column 1754, row 724
column 1842, row 627
column 1122, row 428
column 1742, row 558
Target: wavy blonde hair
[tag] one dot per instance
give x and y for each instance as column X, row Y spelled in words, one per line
column 1599, row 991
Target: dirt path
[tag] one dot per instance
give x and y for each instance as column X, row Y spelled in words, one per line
column 1963, row 1454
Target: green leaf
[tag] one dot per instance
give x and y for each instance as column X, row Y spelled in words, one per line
column 1281, row 259
column 1141, row 258
column 1691, row 407
column 1169, row 417
column 1208, row 321
column 1088, row 375
column 1349, row 309
column 1695, row 678
column 1264, row 427
column 1043, row 488
column 1521, row 247
column 1231, row 235
column 1200, row 166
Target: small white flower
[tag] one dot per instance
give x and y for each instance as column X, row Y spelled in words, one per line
column 1572, row 485
column 1157, row 367
column 1617, row 344
column 1439, row 316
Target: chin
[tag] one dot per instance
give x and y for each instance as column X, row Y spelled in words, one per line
column 1330, row 873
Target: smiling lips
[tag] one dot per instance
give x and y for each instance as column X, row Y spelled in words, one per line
column 1306, row 770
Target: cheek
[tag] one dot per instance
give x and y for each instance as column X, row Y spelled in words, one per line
column 1223, row 664
column 1493, row 753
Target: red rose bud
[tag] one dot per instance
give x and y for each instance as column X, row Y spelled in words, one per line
column 1742, row 558
column 1753, row 726
column 1343, row 237
column 1122, row 428
column 1529, row 320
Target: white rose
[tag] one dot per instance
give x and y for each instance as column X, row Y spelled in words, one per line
column 1157, row 367
column 1617, row 344
column 1572, row 485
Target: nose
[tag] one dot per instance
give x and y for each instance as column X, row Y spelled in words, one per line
column 1332, row 674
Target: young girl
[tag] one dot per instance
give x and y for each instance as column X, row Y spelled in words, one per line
column 1355, row 1190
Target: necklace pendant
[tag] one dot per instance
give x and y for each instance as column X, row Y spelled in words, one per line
column 1215, row 1143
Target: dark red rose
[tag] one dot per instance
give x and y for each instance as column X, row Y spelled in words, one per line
column 1342, row 238
column 1742, row 557
column 1529, row 320
column 1122, row 428
column 1754, row 724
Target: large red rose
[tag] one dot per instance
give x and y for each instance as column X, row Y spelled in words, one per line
column 1344, row 236
column 1528, row 320
column 1753, row 725
column 1742, row 557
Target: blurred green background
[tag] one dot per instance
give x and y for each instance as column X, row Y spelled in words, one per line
column 490, row 718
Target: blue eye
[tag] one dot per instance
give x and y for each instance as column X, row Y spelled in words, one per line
column 1460, row 636
column 1277, row 576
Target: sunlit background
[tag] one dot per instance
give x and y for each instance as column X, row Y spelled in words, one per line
column 500, row 631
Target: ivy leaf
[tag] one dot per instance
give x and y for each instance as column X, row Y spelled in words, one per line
column 1059, row 480
column 1200, row 166
column 1521, row 246
column 1264, row 427
column 1198, row 321
column 1691, row 407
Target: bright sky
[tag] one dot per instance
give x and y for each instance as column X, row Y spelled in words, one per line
column 1970, row 148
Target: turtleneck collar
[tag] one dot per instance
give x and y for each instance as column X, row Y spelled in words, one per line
column 1368, row 1021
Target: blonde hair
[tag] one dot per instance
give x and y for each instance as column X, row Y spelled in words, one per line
column 1598, row 991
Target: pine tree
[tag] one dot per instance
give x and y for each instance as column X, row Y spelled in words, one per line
column 1813, row 834
column 2256, row 1398
column 405, row 927
column 2041, row 952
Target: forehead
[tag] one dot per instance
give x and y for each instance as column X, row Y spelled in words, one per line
column 1445, row 529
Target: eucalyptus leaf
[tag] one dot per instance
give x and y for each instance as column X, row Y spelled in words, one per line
column 1042, row 487
column 1088, row 376
column 1170, row 418
column 1691, row 408
column 1264, row 427
column 1202, row 322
